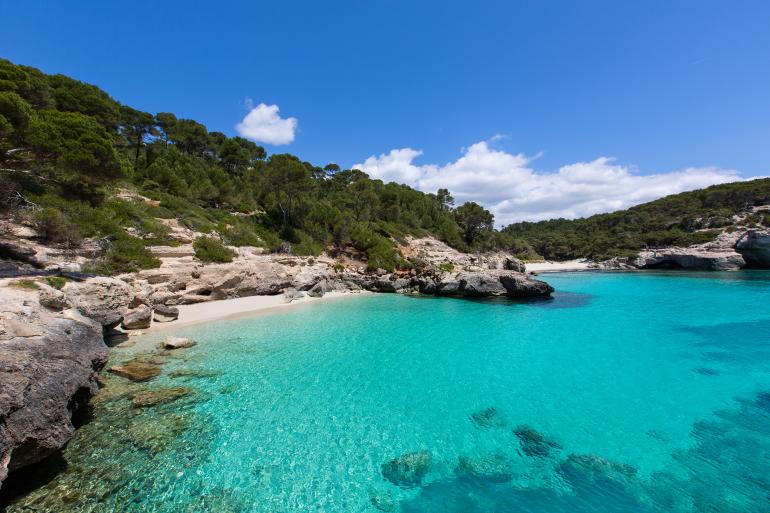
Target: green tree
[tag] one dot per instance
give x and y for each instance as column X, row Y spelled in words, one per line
column 475, row 221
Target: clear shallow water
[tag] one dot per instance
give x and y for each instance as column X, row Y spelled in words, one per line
column 640, row 392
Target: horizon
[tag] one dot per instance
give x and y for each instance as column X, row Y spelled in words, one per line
column 487, row 115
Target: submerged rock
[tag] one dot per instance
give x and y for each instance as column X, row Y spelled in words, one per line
column 137, row 319
column 533, row 443
column 136, row 370
column 381, row 499
column 488, row 418
column 148, row 398
column 178, row 343
column 408, row 470
column 581, row 469
column 193, row 373
column 496, row 468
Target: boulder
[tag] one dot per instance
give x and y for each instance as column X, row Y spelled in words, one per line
column 693, row 259
column 48, row 375
column 52, row 298
column 164, row 313
column 178, row 343
column 324, row 286
column 292, row 294
column 137, row 319
column 408, row 470
column 488, row 418
column 754, row 246
column 104, row 300
column 520, row 285
column 136, row 370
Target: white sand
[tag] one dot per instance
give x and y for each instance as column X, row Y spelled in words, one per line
column 550, row 267
column 239, row 307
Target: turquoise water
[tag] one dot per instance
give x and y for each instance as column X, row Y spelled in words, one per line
column 634, row 392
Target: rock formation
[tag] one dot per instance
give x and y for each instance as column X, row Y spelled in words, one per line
column 49, row 360
column 754, row 246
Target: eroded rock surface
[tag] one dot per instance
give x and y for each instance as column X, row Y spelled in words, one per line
column 49, row 361
column 754, row 246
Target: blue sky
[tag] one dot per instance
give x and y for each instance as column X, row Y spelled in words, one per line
column 659, row 86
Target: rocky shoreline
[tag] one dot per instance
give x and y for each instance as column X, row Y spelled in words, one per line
column 52, row 334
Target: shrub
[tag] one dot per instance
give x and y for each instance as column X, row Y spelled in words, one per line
column 209, row 249
column 55, row 227
column 56, row 282
column 126, row 254
column 446, row 267
column 26, row 284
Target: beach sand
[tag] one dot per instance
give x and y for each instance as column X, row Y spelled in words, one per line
column 239, row 307
column 550, row 267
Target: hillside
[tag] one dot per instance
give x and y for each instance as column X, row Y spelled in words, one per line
column 72, row 158
column 677, row 220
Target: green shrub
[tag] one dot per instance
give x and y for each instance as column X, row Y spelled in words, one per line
column 56, row 282
column 209, row 249
column 446, row 267
column 25, row 284
column 55, row 227
column 126, row 254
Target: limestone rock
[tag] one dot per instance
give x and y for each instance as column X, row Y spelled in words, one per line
column 695, row 259
column 754, row 245
column 521, row 286
column 48, row 376
column 137, row 319
column 163, row 313
column 534, row 443
column 104, row 300
column 136, row 370
column 178, row 343
column 149, row 398
column 292, row 294
column 52, row 298
column 496, row 468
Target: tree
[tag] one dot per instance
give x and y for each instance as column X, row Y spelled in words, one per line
column 136, row 126
column 474, row 220
column 445, row 200
column 287, row 178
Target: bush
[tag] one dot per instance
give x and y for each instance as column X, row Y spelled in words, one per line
column 126, row 254
column 56, row 282
column 209, row 249
column 446, row 267
column 25, row 284
column 55, row 227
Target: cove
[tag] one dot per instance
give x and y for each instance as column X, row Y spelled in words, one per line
column 627, row 392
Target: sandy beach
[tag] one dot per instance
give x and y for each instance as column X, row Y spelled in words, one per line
column 552, row 267
column 243, row 306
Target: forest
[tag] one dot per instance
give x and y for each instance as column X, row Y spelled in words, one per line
column 68, row 150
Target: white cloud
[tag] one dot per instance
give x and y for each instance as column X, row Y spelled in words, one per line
column 507, row 184
column 263, row 124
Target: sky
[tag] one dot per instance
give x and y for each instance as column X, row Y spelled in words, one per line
column 533, row 109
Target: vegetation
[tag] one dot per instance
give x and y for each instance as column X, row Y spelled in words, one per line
column 677, row 220
column 69, row 153
column 25, row 284
column 80, row 165
column 209, row 249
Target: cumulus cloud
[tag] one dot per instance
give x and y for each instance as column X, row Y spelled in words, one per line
column 508, row 185
column 263, row 124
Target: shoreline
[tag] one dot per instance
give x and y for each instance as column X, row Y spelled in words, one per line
column 225, row 309
column 555, row 267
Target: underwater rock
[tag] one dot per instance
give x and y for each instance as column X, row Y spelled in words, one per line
column 381, row 499
column 178, row 343
column 193, row 373
column 158, row 433
column 533, row 443
column 136, row 370
column 149, row 398
column 488, row 418
column 407, row 470
column 580, row 469
column 706, row 371
column 496, row 468
column 163, row 313
column 137, row 319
